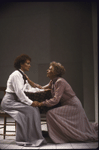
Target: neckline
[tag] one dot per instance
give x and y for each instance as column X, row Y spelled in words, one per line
column 22, row 71
column 54, row 80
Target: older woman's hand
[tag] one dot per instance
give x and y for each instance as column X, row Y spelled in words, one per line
column 35, row 104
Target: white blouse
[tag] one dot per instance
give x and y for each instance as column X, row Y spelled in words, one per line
column 15, row 84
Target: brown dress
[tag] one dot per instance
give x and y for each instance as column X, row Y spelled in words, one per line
column 68, row 123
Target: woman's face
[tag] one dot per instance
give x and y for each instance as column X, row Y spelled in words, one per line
column 50, row 72
column 26, row 66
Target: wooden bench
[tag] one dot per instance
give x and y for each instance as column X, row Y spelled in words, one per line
column 5, row 122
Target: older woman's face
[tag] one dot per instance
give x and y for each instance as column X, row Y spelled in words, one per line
column 50, row 72
column 26, row 66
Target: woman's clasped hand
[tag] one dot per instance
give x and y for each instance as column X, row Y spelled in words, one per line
column 36, row 104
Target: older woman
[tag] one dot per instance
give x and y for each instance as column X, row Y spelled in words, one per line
column 67, row 123
column 20, row 107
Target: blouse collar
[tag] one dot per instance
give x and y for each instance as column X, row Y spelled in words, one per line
column 55, row 79
column 21, row 71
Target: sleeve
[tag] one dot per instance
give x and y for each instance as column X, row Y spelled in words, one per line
column 59, row 89
column 18, row 88
column 47, row 86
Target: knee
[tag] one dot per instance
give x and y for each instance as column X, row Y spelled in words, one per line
column 33, row 110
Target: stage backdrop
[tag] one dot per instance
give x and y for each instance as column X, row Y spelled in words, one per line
column 50, row 31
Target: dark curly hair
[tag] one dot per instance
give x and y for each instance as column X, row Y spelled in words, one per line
column 58, row 68
column 21, row 60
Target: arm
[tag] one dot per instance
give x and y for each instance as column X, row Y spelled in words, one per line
column 48, row 86
column 17, row 83
column 59, row 89
column 34, row 84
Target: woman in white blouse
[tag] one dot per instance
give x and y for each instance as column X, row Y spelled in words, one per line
column 20, row 107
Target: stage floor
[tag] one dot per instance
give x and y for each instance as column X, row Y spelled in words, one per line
column 9, row 142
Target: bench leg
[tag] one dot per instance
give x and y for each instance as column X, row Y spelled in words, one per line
column 4, row 132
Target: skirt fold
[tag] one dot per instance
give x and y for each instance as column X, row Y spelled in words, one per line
column 28, row 125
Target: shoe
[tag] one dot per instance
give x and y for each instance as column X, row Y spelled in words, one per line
column 45, row 133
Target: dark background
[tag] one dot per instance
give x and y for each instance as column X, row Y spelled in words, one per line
column 65, row 32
